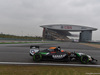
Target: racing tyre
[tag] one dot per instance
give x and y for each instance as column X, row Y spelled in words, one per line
column 37, row 57
column 84, row 59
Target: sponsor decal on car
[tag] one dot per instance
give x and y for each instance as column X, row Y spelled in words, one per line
column 58, row 56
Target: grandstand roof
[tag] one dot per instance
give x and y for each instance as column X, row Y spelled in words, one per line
column 68, row 27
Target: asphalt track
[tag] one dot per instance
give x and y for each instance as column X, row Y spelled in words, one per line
column 20, row 52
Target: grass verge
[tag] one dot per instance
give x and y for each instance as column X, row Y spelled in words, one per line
column 19, row 42
column 22, row 42
column 46, row 70
column 91, row 44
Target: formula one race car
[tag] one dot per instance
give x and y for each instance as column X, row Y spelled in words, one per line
column 56, row 54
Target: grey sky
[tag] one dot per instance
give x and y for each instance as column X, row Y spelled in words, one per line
column 23, row 17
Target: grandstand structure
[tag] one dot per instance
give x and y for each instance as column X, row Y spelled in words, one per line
column 62, row 31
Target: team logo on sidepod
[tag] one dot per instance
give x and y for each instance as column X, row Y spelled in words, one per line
column 58, row 56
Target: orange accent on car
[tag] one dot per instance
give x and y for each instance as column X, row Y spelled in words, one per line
column 52, row 47
column 53, row 52
column 62, row 50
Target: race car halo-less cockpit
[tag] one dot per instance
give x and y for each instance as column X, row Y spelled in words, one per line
column 57, row 54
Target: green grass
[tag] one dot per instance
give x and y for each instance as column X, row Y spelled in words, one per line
column 30, row 42
column 45, row 70
column 19, row 42
column 22, row 42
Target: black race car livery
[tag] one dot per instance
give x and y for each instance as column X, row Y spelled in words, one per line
column 56, row 54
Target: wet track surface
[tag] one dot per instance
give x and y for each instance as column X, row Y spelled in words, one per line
column 20, row 52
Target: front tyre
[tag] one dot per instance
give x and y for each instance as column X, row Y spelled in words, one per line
column 84, row 59
column 37, row 57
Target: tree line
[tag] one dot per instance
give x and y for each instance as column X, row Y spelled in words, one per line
column 8, row 36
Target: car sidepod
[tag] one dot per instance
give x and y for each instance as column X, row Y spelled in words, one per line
column 60, row 56
column 54, row 56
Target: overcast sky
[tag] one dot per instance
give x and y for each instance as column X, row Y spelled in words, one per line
column 24, row 17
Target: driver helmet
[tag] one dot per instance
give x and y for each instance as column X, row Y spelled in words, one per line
column 59, row 48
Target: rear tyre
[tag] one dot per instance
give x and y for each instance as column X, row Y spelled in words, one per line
column 84, row 59
column 37, row 57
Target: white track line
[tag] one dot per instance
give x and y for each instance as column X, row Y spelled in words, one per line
column 50, row 64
